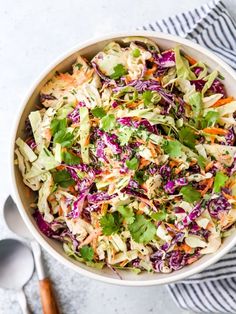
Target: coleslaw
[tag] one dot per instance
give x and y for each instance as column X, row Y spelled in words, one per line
column 132, row 158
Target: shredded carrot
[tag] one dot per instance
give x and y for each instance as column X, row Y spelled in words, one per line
column 60, row 211
column 122, row 264
column 178, row 170
column 158, row 79
column 152, row 149
column 209, row 166
column 152, row 70
column 71, row 189
column 132, row 105
column 186, row 248
column 172, row 226
column 139, row 212
column 208, row 186
column 86, row 143
column 191, row 60
column 192, row 260
column 215, row 131
column 212, row 139
column 67, row 77
column 173, row 163
column 143, row 163
column 47, row 134
column 142, row 205
column 60, row 167
column 209, row 225
column 137, row 119
column 222, row 102
column 94, row 244
column 104, row 208
column 75, row 125
column 89, row 239
column 127, row 79
column 229, row 197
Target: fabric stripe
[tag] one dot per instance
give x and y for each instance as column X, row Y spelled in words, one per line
column 210, row 307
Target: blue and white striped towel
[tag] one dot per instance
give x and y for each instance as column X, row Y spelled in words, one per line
column 213, row 290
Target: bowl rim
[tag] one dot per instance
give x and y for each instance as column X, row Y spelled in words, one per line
column 35, row 232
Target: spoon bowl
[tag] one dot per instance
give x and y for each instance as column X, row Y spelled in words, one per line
column 16, row 264
column 16, row 268
column 13, row 219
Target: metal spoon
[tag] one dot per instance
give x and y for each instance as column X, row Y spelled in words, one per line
column 16, row 224
column 16, row 268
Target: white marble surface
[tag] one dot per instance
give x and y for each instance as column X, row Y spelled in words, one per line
column 34, row 33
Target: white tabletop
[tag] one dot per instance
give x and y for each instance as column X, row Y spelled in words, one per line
column 33, row 34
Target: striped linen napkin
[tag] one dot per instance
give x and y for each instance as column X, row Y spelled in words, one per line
column 214, row 289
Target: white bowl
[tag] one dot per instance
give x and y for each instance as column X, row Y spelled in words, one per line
column 89, row 49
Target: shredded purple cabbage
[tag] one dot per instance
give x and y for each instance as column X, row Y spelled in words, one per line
column 99, row 73
column 130, row 191
column 31, row 143
column 218, row 205
column 99, row 197
column 195, row 213
column 166, row 59
column 171, row 186
column 44, row 226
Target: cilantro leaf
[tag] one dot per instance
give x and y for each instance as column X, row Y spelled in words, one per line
column 70, row 159
column 147, row 97
column 132, row 164
column 98, row 112
column 187, row 136
column 142, row 230
column 110, row 223
column 125, row 135
column 127, row 213
column 108, row 122
column 87, row 253
column 190, row 194
column 159, row 216
column 210, row 119
column 78, row 66
column 58, row 125
column 63, row 178
column 172, row 148
column 119, row 70
column 136, row 53
column 201, row 161
column 64, row 138
column 140, row 176
column 219, row 181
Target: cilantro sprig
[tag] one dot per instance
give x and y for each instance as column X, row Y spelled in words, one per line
column 142, row 229
column 63, row 178
column 133, row 163
column 172, row 148
column 87, row 253
column 187, row 136
column 127, row 213
column 190, row 194
column 119, row 71
column 111, row 223
column 70, row 159
column 98, row 112
column 108, row 122
column 219, row 181
column 60, row 134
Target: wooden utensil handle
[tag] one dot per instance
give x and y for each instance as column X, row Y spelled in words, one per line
column 47, row 297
